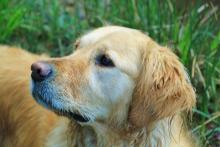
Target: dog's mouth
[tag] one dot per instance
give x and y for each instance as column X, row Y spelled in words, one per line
column 72, row 115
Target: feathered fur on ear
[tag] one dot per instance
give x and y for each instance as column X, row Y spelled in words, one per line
column 163, row 88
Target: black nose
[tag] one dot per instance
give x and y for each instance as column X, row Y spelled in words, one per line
column 40, row 71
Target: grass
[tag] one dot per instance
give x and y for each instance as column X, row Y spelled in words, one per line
column 190, row 28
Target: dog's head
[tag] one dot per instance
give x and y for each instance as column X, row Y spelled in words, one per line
column 115, row 75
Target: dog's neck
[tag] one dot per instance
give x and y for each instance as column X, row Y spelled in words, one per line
column 70, row 133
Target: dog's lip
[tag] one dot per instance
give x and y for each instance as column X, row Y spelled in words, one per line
column 76, row 116
column 72, row 115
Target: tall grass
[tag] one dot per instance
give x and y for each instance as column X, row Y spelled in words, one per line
column 191, row 29
column 10, row 18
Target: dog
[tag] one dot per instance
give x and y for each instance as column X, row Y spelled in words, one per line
column 118, row 88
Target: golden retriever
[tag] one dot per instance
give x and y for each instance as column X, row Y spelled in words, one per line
column 118, row 88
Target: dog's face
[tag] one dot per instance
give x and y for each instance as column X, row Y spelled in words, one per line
column 116, row 74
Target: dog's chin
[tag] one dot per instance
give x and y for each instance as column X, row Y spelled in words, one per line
column 72, row 115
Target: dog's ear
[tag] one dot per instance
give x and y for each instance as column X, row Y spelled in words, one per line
column 163, row 88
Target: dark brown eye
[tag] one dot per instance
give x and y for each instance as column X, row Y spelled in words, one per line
column 104, row 60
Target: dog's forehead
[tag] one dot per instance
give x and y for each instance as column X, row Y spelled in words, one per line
column 100, row 33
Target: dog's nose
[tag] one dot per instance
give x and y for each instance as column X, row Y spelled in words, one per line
column 40, row 71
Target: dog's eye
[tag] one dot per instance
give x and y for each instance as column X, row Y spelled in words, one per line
column 104, row 60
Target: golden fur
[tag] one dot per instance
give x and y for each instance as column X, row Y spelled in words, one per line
column 146, row 108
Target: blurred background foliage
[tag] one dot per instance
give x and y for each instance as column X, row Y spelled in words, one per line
column 190, row 27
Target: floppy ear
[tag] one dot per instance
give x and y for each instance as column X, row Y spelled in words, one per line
column 163, row 88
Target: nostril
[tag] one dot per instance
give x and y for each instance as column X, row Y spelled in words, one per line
column 40, row 71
